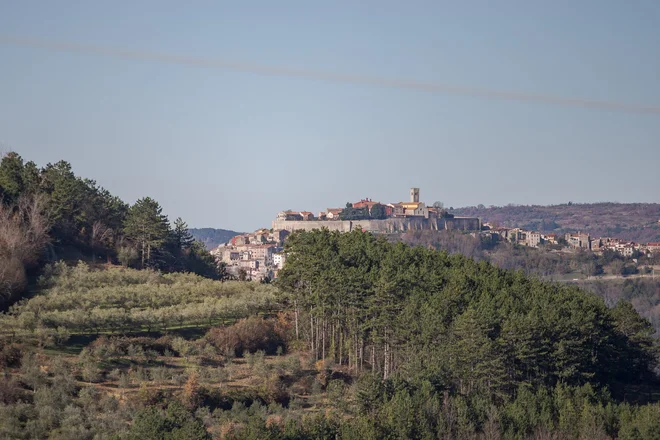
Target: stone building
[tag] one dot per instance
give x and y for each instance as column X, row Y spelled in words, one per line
column 533, row 239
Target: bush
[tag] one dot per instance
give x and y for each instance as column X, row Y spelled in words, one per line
column 10, row 390
column 183, row 347
column 104, row 347
column 160, row 374
column 91, row 372
column 10, row 356
column 248, row 335
column 292, row 365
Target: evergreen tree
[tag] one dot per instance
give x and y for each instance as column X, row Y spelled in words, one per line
column 201, row 262
column 68, row 202
column 183, row 239
column 148, row 228
column 378, row 212
column 11, row 177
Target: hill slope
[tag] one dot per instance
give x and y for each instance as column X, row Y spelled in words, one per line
column 212, row 237
column 631, row 221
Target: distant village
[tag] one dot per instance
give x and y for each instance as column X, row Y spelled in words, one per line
column 258, row 256
column 576, row 241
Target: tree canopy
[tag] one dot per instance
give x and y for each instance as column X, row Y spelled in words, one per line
column 84, row 220
column 467, row 326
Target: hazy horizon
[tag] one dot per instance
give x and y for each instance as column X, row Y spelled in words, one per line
column 230, row 148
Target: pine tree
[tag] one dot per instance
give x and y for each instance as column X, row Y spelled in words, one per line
column 183, row 239
column 147, row 227
column 11, row 177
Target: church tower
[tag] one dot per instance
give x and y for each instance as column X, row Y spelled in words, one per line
column 414, row 195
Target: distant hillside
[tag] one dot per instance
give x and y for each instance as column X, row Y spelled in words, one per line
column 212, row 237
column 631, row 221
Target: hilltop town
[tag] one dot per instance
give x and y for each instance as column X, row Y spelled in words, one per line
column 369, row 215
column 367, row 209
column 258, row 256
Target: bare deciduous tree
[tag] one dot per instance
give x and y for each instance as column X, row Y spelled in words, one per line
column 23, row 235
column 101, row 235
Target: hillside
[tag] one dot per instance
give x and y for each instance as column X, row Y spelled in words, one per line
column 637, row 222
column 212, row 237
column 358, row 339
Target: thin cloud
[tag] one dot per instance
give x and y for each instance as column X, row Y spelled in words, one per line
column 348, row 78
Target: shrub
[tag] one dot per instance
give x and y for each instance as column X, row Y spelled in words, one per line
column 91, row 372
column 248, row 335
column 137, row 346
column 31, row 374
column 160, row 374
column 115, row 374
column 135, row 351
column 10, row 390
column 124, row 381
column 292, row 365
column 183, row 347
column 335, row 389
column 139, row 375
column 10, row 356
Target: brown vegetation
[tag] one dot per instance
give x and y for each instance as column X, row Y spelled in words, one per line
column 248, row 335
column 23, row 235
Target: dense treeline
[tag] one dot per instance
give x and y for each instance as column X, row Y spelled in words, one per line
column 466, row 326
column 644, row 294
column 80, row 300
column 395, row 410
column 80, row 219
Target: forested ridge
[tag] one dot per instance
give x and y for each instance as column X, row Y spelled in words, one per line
column 49, row 213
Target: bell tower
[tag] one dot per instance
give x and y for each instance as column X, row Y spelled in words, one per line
column 414, row 195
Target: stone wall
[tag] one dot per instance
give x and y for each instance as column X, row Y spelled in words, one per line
column 389, row 225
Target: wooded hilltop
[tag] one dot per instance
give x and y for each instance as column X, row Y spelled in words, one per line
column 49, row 213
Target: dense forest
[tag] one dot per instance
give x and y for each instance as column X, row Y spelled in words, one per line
column 547, row 263
column 49, row 213
column 639, row 222
column 212, row 237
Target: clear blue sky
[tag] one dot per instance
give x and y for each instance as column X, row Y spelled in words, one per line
column 231, row 149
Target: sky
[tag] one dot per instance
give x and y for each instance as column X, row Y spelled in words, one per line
column 230, row 149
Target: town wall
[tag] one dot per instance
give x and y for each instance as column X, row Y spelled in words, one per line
column 390, row 225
